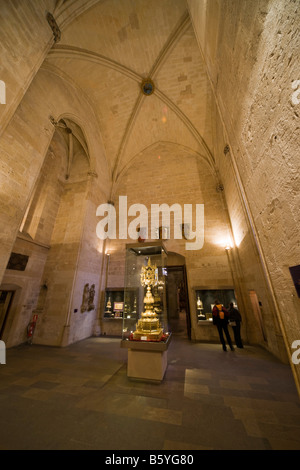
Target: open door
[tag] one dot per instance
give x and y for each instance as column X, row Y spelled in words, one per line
column 257, row 312
column 6, row 297
column 178, row 301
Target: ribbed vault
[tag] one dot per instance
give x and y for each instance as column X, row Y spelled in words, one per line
column 107, row 48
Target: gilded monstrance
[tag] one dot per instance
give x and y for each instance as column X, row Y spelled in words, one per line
column 148, row 326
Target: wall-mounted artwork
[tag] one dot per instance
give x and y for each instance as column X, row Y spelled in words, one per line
column 17, row 262
column 88, row 298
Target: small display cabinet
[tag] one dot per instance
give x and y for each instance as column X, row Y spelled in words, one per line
column 145, row 322
column 205, row 300
column 114, row 303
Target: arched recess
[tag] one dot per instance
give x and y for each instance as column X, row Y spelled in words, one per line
column 30, row 142
column 67, row 158
column 159, row 148
column 53, row 236
column 26, row 140
column 64, row 263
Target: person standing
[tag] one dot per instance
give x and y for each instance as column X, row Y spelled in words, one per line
column 220, row 319
column 235, row 318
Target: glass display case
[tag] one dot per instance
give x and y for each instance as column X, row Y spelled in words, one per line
column 145, row 309
column 114, row 306
column 205, row 300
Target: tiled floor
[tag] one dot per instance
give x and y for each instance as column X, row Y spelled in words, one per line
column 79, row 397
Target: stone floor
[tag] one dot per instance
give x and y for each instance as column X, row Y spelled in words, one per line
column 79, row 397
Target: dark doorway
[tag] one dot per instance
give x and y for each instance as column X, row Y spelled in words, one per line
column 178, row 301
column 6, row 297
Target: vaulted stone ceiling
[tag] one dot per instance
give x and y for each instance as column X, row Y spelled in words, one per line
column 108, row 47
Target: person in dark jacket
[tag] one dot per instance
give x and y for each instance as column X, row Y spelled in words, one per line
column 236, row 318
column 220, row 319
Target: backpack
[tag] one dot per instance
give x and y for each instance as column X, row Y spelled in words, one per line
column 221, row 313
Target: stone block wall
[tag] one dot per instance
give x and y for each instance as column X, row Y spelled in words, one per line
column 27, row 286
column 171, row 176
column 25, row 38
column 255, row 45
column 26, row 164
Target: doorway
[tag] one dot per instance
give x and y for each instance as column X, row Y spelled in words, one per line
column 256, row 306
column 6, row 298
column 178, row 301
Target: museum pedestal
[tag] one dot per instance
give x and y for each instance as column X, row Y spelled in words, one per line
column 147, row 360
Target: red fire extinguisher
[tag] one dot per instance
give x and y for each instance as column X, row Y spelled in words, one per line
column 30, row 329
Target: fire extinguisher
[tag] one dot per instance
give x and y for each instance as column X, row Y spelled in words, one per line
column 30, row 329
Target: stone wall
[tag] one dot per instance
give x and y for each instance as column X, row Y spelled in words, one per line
column 34, row 240
column 25, row 38
column 27, row 286
column 24, row 147
column 250, row 50
column 171, row 176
